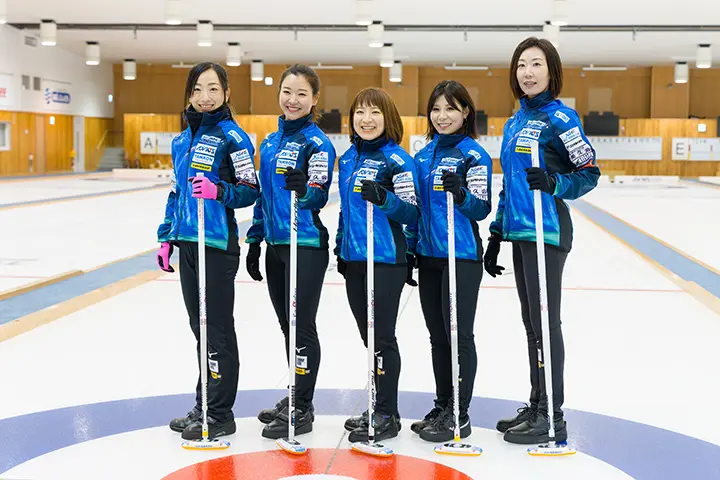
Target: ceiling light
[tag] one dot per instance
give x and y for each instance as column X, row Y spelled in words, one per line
column 375, row 31
column 363, row 12
column 455, row 66
column 560, row 13
column 173, row 12
column 682, row 72
column 92, row 53
column 331, row 67
column 268, row 81
column 234, row 54
column 387, row 57
column 3, row 12
column 204, row 30
column 396, row 72
column 593, row 68
column 257, row 71
column 129, row 69
column 48, row 33
column 704, row 56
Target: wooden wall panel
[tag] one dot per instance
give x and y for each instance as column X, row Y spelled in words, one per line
column 405, row 93
column 264, row 98
column 668, row 99
column 12, row 162
column 630, row 90
column 704, row 98
column 58, row 142
column 489, row 90
column 97, row 138
column 134, row 124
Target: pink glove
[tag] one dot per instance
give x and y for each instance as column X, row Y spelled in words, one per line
column 163, row 257
column 203, row 188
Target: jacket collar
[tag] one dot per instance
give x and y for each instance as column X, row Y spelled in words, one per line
column 291, row 127
column 538, row 101
column 197, row 119
column 372, row 145
column 444, row 141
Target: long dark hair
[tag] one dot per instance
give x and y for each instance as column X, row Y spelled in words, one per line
column 554, row 65
column 455, row 93
column 192, row 79
column 312, row 78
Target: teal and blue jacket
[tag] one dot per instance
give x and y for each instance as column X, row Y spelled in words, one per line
column 296, row 144
column 214, row 145
column 460, row 154
column 385, row 162
column 564, row 152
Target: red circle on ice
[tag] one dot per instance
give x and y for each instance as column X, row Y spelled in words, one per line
column 274, row 464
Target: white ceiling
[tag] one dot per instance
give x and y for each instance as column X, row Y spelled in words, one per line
column 420, row 48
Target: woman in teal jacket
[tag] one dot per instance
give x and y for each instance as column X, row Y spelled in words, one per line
column 214, row 145
column 567, row 171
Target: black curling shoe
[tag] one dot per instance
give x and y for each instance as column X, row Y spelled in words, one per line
column 356, row 422
column 179, row 424
column 269, row 414
column 216, row 429
column 536, row 430
column 385, row 427
column 443, row 428
column 524, row 413
column 278, row 428
column 429, row 418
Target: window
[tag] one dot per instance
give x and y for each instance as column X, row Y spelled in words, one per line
column 37, row 84
column 4, row 136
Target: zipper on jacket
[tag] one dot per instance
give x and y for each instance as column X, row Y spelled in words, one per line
column 347, row 202
column 273, row 168
column 431, row 182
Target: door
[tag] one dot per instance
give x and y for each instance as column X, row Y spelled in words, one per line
column 38, row 164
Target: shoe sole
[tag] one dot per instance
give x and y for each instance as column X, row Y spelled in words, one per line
column 560, row 436
column 223, row 433
column 438, row 439
column 274, row 435
column 378, row 438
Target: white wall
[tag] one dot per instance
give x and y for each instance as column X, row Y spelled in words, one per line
column 60, row 71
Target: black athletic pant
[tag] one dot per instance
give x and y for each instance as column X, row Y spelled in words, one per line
column 434, row 299
column 311, row 266
column 389, row 282
column 526, row 279
column 223, row 361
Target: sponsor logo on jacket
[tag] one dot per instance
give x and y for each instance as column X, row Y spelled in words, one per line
column 364, row 174
column 210, row 139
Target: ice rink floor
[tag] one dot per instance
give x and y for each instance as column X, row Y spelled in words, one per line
column 96, row 355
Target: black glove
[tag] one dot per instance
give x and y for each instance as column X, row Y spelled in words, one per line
column 540, row 180
column 341, row 266
column 371, row 191
column 252, row 262
column 453, row 183
column 491, row 254
column 295, row 179
column 410, row 266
